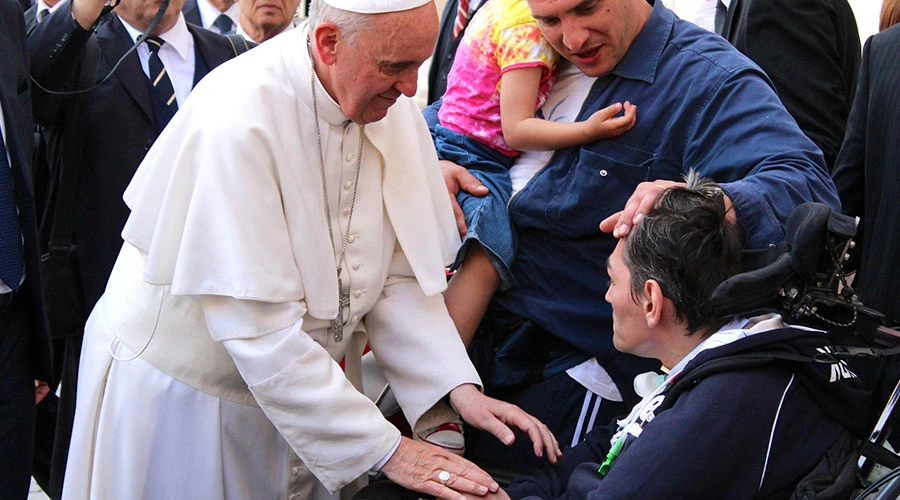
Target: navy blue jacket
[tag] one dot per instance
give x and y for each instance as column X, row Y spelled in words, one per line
column 741, row 433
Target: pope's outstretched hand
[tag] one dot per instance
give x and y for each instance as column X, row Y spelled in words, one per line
column 430, row 469
column 496, row 417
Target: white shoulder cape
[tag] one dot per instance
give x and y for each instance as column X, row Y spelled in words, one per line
column 228, row 201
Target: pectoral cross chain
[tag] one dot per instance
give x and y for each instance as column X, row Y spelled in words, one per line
column 337, row 324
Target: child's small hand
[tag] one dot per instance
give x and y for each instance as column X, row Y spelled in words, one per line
column 604, row 124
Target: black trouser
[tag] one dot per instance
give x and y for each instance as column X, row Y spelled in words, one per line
column 16, row 403
column 523, row 364
column 386, row 490
column 557, row 401
column 55, row 416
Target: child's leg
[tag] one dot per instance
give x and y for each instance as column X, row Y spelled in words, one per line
column 487, row 253
column 489, row 246
column 470, row 290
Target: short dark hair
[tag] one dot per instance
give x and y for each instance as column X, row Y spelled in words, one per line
column 687, row 245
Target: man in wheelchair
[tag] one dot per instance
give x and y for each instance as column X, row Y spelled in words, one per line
column 748, row 407
column 752, row 404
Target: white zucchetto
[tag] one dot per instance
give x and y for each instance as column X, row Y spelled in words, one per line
column 375, row 6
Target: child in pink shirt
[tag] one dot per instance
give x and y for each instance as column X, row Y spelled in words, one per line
column 501, row 74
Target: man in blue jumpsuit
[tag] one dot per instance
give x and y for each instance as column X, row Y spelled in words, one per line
column 546, row 343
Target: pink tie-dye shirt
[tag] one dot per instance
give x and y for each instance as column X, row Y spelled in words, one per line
column 500, row 37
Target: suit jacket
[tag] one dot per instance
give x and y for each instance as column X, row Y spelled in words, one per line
column 810, row 49
column 867, row 172
column 15, row 97
column 118, row 126
column 191, row 12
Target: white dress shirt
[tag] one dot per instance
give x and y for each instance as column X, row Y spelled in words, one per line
column 700, row 12
column 43, row 7
column 177, row 55
column 209, row 13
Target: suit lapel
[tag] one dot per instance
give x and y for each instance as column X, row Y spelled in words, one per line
column 731, row 19
column 114, row 42
column 31, row 19
column 192, row 12
column 213, row 54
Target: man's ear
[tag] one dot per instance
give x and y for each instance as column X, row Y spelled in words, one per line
column 326, row 36
column 652, row 303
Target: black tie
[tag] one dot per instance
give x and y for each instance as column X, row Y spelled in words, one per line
column 224, row 24
column 12, row 260
column 42, row 14
column 161, row 85
column 721, row 13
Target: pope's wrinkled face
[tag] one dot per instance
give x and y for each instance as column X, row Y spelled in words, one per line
column 630, row 331
column 592, row 34
column 371, row 72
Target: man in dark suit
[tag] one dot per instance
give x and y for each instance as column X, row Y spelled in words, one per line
column 192, row 12
column 810, row 49
column 220, row 16
column 102, row 135
column 261, row 20
column 24, row 343
column 38, row 11
column 867, row 173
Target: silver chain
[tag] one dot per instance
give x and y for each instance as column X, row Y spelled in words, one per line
column 337, row 325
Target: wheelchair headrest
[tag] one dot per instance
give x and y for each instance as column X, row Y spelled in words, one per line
column 807, row 230
column 805, row 256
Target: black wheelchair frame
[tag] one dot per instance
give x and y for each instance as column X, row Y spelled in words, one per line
column 804, row 280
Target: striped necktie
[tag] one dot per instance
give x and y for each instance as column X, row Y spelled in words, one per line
column 462, row 17
column 12, row 260
column 161, row 85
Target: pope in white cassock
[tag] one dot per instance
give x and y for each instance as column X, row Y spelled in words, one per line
column 269, row 239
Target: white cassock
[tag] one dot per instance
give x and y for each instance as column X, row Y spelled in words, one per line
column 226, row 284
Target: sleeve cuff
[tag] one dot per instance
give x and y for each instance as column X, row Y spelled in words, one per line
column 377, row 467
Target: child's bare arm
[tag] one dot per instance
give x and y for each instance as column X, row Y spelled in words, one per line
column 523, row 131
